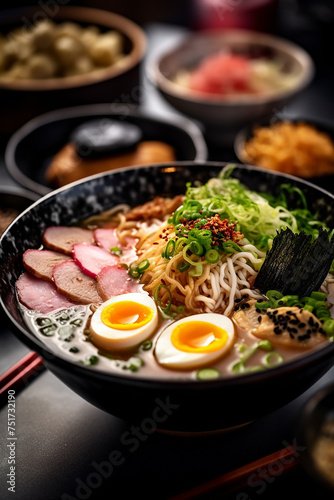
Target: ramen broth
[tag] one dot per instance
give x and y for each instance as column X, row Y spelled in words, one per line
column 67, row 333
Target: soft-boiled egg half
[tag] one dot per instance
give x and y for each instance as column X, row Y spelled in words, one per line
column 124, row 321
column 194, row 341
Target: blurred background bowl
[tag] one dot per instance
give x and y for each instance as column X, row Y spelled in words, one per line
column 304, row 145
column 316, row 435
column 223, row 116
column 24, row 99
column 13, row 200
column 31, row 148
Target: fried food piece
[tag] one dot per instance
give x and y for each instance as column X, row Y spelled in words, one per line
column 157, row 208
column 67, row 166
column 285, row 326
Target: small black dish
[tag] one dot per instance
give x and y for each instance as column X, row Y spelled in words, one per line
column 192, row 405
column 246, row 133
column 13, row 200
column 31, row 148
column 316, row 414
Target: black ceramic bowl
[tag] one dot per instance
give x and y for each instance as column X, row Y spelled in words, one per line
column 190, row 405
column 31, row 148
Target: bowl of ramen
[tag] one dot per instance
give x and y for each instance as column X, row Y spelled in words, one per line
column 228, row 79
column 67, row 56
column 154, row 292
column 68, row 144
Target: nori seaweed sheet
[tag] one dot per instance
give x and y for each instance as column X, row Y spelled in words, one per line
column 296, row 265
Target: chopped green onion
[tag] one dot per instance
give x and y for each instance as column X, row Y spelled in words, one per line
column 183, row 266
column 74, row 349
column 319, row 296
column 116, row 251
column 177, row 215
column 143, row 265
column 180, row 243
column 180, row 309
column 196, row 270
column 190, row 215
column 231, row 247
column 90, row 360
column 196, row 248
column 328, row 326
column 207, row 374
column 135, row 363
column 265, row 345
column 133, row 271
column 187, row 258
column 273, row 295
column 273, row 359
column 212, row 256
column 238, row 367
column 204, row 235
column 193, row 204
column 169, row 250
column 263, row 305
column 156, row 297
column 146, row 345
column 217, row 206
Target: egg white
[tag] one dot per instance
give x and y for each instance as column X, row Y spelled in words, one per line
column 171, row 357
column 113, row 339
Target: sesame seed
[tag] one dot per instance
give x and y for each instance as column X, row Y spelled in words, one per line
column 277, row 330
column 259, row 319
column 303, row 337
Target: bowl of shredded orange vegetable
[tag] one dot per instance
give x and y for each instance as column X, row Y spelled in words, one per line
column 299, row 147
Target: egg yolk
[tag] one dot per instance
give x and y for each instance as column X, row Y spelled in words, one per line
column 126, row 315
column 198, row 336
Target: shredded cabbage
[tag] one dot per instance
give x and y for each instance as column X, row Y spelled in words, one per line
column 258, row 216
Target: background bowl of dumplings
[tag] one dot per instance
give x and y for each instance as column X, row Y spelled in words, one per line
column 71, row 56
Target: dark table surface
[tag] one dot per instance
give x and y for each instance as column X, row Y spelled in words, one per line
column 63, row 441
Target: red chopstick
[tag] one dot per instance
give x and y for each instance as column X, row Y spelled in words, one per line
column 238, row 478
column 21, row 372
